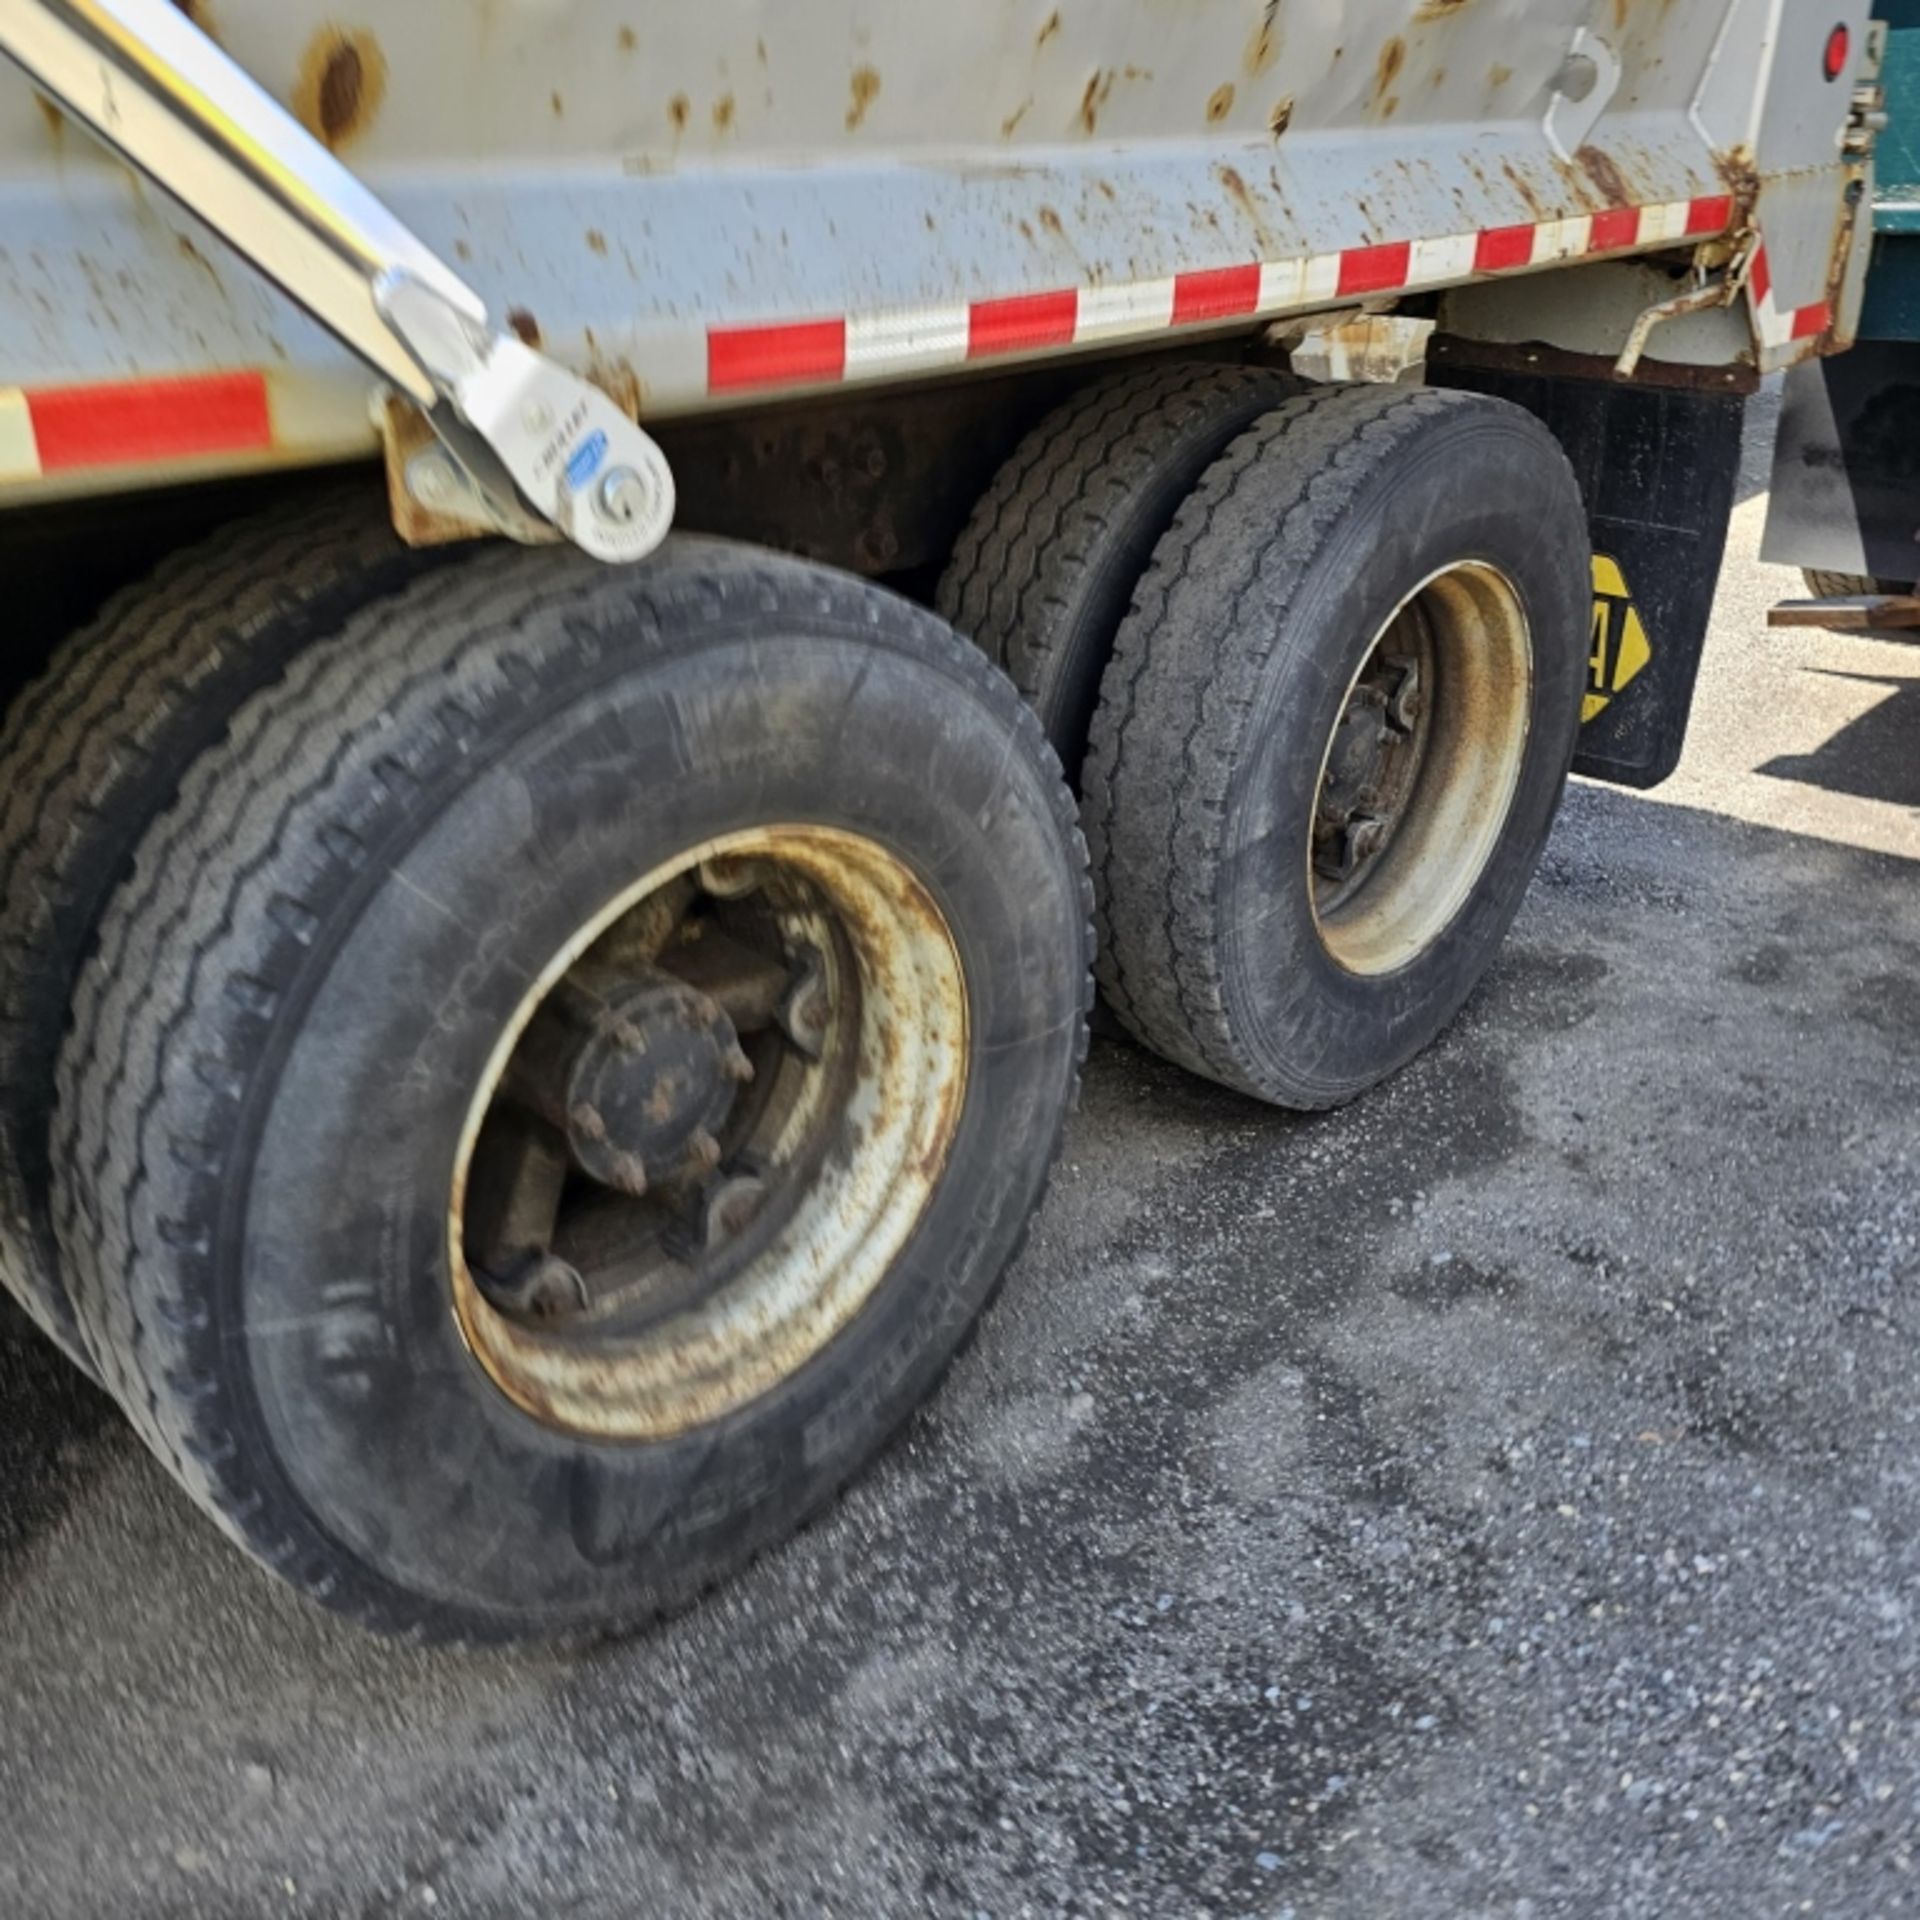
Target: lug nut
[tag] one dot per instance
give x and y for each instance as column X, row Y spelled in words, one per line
column 626, row 1174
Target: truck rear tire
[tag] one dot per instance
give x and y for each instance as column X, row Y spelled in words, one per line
column 1333, row 736
column 561, row 1082
column 1042, row 574
column 1844, row 586
column 95, row 747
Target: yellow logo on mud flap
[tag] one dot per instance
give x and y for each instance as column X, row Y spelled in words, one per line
column 1620, row 647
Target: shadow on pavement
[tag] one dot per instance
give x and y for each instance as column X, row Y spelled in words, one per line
column 1876, row 757
column 1349, row 1511
column 55, row 1429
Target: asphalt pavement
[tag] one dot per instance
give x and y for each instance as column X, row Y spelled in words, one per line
column 1500, row 1497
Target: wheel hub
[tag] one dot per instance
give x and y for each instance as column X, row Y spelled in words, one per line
column 1373, row 765
column 652, row 1081
column 707, row 1133
column 638, row 1070
column 1420, row 767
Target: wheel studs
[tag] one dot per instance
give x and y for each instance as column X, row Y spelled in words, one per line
column 630, row 1076
column 627, row 1175
column 1373, row 761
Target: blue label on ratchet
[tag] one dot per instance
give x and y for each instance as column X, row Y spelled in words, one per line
column 584, row 462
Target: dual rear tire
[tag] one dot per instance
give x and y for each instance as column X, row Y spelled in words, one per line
column 556, row 1085
column 558, row 1059
column 1340, row 641
column 95, row 747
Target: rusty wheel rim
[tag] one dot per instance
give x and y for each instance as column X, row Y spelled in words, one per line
column 707, row 1133
column 1420, row 768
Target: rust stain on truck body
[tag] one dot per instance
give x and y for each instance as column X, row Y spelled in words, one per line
column 342, row 81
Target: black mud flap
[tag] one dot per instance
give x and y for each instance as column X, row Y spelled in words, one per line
column 1846, row 465
column 1657, row 465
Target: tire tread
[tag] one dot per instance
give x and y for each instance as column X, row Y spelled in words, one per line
column 91, row 749
column 1185, row 674
column 225, row 891
column 1045, row 527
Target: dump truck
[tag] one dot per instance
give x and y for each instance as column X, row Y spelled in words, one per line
column 712, row 569
column 1844, row 505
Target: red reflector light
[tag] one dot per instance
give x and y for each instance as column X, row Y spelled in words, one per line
column 1836, row 55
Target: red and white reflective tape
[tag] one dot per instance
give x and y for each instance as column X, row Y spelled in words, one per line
column 1777, row 325
column 106, row 425
column 131, row 423
column 916, row 339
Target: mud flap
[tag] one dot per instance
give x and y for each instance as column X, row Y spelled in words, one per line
column 1657, row 466
column 1846, row 465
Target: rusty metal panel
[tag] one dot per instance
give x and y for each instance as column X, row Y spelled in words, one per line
column 625, row 176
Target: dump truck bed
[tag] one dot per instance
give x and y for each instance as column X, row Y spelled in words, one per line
column 699, row 205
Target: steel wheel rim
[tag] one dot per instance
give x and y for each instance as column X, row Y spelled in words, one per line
column 851, row 1146
column 1423, row 813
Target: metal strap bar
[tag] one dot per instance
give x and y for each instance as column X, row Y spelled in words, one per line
column 540, row 446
